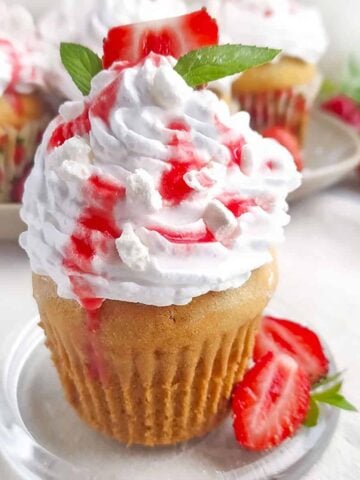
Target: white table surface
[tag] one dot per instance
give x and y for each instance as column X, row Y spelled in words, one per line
column 319, row 285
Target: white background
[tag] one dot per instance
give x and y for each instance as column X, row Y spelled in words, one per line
column 319, row 268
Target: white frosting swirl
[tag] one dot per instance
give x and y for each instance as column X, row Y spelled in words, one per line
column 180, row 216
column 285, row 24
column 22, row 58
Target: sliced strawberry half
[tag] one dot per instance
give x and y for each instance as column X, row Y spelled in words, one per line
column 271, row 402
column 173, row 36
column 283, row 336
column 287, row 140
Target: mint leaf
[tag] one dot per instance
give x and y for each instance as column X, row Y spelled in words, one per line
column 81, row 63
column 312, row 415
column 211, row 63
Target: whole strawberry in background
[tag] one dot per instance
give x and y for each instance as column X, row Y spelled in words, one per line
column 343, row 100
column 284, row 388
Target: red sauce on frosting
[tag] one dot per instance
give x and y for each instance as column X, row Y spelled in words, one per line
column 94, row 233
column 234, row 145
column 173, row 187
column 203, row 236
column 78, row 126
column 105, row 101
column 238, row 206
column 100, row 108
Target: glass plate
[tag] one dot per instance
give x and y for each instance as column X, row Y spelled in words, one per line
column 43, row 439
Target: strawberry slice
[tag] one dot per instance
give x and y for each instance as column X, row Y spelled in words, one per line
column 283, row 336
column 271, row 402
column 287, row 140
column 173, row 36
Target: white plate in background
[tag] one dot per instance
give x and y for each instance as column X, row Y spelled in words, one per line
column 332, row 150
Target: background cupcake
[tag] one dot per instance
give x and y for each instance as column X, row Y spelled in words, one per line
column 23, row 111
column 280, row 93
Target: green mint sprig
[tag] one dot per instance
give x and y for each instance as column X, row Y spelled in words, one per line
column 212, row 63
column 197, row 67
column 327, row 391
column 81, row 63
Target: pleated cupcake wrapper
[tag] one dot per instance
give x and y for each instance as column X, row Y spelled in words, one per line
column 288, row 108
column 17, row 150
column 153, row 398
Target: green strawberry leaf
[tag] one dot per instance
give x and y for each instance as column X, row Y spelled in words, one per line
column 330, row 396
column 328, row 380
column 339, row 401
column 81, row 63
column 212, row 63
column 328, row 392
column 312, row 415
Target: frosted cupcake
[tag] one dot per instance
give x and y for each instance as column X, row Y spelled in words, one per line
column 280, row 93
column 23, row 113
column 151, row 214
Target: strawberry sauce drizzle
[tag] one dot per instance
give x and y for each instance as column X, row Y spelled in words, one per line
column 203, row 236
column 93, row 235
column 78, row 126
column 100, row 108
column 234, row 145
column 173, row 187
column 238, row 206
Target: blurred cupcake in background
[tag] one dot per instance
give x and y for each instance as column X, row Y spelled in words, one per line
column 281, row 93
column 88, row 21
column 23, row 110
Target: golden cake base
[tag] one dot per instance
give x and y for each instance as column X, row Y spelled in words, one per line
column 165, row 374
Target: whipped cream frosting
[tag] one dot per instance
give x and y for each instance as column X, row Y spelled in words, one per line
column 22, row 57
column 294, row 28
column 149, row 191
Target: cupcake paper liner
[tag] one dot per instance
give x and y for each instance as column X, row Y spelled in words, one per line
column 180, row 397
column 288, row 108
column 17, row 150
column 150, row 376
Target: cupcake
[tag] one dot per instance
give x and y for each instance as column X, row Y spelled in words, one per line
column 280, row 93
column 23, row 112
column 152, row 213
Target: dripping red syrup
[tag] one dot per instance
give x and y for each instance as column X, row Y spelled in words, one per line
column 94, row 234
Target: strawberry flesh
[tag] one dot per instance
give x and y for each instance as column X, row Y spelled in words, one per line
column 173, row 36
column 287, row 140
column 283, row 336
column 270, row 403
